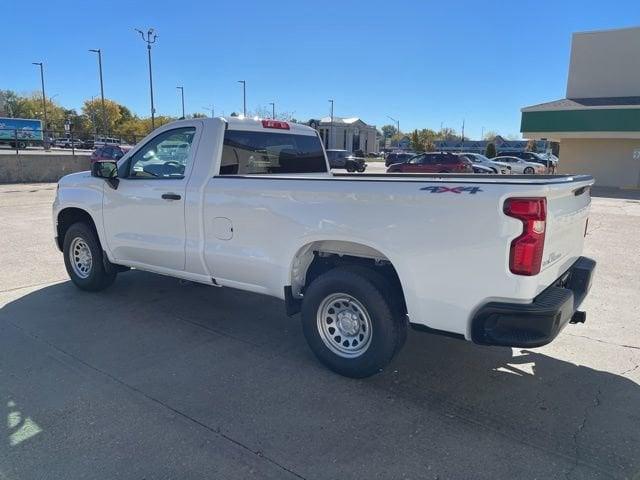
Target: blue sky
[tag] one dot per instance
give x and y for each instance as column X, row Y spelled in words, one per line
column 424, row 63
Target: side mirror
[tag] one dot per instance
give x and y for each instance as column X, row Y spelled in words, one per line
column 107, row 170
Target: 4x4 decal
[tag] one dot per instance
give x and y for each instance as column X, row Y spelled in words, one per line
column 442, row 189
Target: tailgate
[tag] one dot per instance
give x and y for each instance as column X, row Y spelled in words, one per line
column 567, row 214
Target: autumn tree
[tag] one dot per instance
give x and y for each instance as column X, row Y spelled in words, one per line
column 490, row 152
column 105, row 121
column 416, row 142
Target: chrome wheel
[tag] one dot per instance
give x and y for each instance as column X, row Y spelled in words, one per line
column 80, row 257
column 344, row 325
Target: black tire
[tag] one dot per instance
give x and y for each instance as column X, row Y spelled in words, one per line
column 528, row 170
column 388, row 328
column 362, row 169
column 98, row 278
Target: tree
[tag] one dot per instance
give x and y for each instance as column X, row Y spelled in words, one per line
column 490, row 152
column 448, row 134
column 31, row 107
column 416, row 142
column 389, row 131
column 93, row 110
column 531, row 146
column 490, row 136
column 430, row 146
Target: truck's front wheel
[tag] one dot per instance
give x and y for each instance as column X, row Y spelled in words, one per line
column 349, row 324
column 83, row 259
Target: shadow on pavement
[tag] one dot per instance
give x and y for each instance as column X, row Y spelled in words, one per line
column 234, row 366
column 612, row 192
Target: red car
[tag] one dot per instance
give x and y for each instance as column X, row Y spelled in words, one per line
column 433, row 163
column 109, row 152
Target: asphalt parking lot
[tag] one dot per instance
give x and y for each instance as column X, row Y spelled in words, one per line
column 155, row 379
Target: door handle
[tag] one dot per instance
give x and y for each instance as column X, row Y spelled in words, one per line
column 171, row 196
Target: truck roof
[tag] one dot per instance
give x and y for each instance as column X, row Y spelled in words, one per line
column 259, row 124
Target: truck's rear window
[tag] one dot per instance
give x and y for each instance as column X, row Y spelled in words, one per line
column 254, row 153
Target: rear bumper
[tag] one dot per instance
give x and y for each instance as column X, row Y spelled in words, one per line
column 537, row 323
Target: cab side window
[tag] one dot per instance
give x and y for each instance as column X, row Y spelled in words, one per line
column 163, row 157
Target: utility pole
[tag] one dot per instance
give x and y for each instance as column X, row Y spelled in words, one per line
column 462, row 142
column 244, row 97
column 330, row 126
column 45, row 141
column 397, row 122
column 182, row 96
column 211, row 109
column 104, row 109
column 273, row 110
column 150, row 39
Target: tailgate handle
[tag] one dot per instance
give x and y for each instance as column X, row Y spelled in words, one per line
column 579, row 191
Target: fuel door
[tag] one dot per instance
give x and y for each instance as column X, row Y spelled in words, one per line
column 222, row 228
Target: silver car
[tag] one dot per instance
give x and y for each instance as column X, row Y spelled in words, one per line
column 519, row 165
column 497, row 167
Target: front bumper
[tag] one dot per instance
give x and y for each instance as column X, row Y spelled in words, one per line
column 537, row 323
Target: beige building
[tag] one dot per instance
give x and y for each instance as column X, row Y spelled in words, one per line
column 598, row 123
column 348, row 134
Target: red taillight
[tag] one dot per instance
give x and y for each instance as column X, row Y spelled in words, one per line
column 525, row 256
column 275, row 124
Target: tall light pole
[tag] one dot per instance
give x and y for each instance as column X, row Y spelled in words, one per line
column 397, row 122
column 273, row 110
column 104, row 109
column 182, row 96
column 150, row 39
column 330, row 125
column 44, row 103
column 244, row 97
column 211, row 109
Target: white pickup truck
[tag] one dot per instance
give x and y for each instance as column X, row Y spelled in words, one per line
column 251, row 204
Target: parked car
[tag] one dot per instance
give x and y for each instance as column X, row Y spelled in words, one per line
column 549, row 161
column 434, row 163
column 347, row 160
column 398, row 157
column 496, row 167
column 104, row 141
column 493, row 261
column 67, row 142
column 478, row 168
column 519, row 165
column 88, row 144
column 109, row 153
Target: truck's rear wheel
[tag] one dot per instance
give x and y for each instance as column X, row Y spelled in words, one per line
column 83, row 259
column 349, row 324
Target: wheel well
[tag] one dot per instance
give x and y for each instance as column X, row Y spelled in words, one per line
column 319, row 257
column 68, row 217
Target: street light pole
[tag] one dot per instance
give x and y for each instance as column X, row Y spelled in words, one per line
column 397, row 126
column 330, row 126
column 273, row 110
column 104, row 109
column 244, row 97
column 44, row 103
column 150, row 39
column 211, row 109
column 182, row 96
